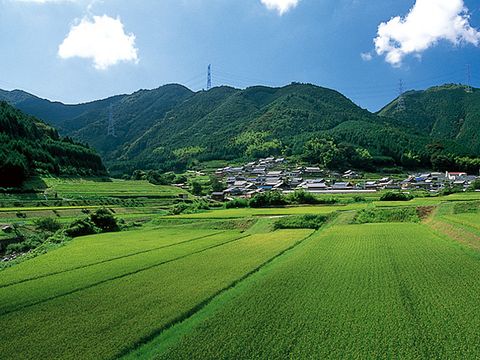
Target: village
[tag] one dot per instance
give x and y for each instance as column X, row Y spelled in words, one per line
column 276, row 174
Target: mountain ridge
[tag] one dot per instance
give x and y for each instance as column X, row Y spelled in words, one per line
column 172, row 126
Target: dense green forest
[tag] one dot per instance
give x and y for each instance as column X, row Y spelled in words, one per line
column 29, row 146
column 172, row 128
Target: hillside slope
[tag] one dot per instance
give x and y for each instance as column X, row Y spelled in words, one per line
column 445, row 112
column 172, row 127
column 29, row 146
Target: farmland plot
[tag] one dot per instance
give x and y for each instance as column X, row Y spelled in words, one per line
column 110, row 318
column 356, row 291
column 90, row 250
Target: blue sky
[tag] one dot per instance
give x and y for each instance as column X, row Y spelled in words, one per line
column 80, row 50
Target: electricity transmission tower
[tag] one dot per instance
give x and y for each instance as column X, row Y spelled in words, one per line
column 401, row 98
column 209, row 77
column 468, row 86
column 111, row 123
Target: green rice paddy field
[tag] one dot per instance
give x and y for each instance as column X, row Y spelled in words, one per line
column 224, row 284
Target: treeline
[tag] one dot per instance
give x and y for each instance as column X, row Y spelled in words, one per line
column 28, row 146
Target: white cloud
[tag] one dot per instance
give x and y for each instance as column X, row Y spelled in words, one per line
column 427, row 23
column 366, row 56
column 102, row 39
column 281, row 6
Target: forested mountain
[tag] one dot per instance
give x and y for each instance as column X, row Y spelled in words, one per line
column 445, row 112
column 29, row 146
column 172, row 127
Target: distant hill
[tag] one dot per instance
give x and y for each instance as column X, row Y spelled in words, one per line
column 172, row 127
column 445, row 112
column 29, row 146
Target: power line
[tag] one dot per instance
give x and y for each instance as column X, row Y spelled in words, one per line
column 209, row 77
column 468, row 87
column 401, row 99
column 111, row 123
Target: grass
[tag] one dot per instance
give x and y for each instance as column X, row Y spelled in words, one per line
column 355, row 291
column 110, row 318
column 293, row 210
column 85, row 188
column 96, row 249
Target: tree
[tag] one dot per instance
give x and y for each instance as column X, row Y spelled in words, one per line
column 320, row 151
column 196, row 188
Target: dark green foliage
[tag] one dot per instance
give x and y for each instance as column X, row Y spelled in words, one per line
column 103, row 219
column 309, row 221
column 451, row 189
column 444, row 113
column 321, row 126
column 47, row 224
column 237, row 203
column 28, row 146
column 81, row 227
column 379, row 215
column 216, row 184
column 196, row 188
column 30, row 243
column 396, row 196
column 475, row 185
column 267, row 199
column 302, row 197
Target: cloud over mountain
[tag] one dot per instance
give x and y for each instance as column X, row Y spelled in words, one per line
column 102, row 39
column 427, row 23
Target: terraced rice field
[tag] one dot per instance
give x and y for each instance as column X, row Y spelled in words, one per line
column 355, row 291
column 105, row 305
column 84, row 188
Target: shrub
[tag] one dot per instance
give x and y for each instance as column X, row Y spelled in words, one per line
column 308, row 221
column 179, row 209
column 237, row 204
column 302, row 197
column 475, row 185
column 81, row 227
column 47, row 224
column 31, row 242
column 272, row 198
column 104, row 219
column 395, row 196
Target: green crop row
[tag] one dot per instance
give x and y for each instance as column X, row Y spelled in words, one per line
column 375, row 291
column 109, row 319
column 95, row 249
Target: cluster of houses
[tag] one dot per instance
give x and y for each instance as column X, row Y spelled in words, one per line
column 274, row 174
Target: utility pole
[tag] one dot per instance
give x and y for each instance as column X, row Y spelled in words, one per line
column 468, row 87
column 209, row 77
column 401, row 98
column 111, row 123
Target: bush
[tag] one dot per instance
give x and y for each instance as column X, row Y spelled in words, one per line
column 309, row 221
column 237, row 204
column 179, row 209
column 272, row 198
column 47, row 224
column 104, row 219
column 302, row 197
column 395, row 196
column 28, row 244
column 448, row 190
column 81, row 227
column 475, row 185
